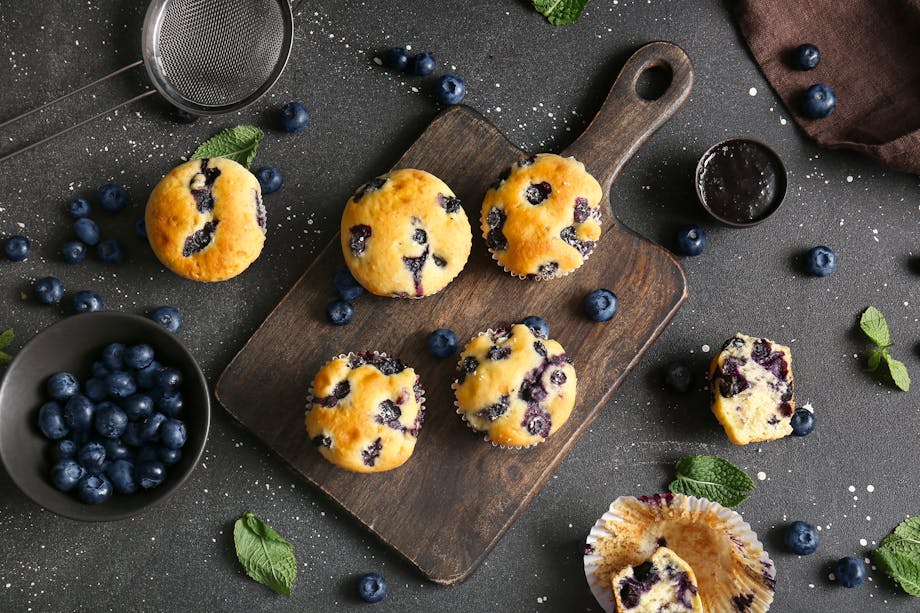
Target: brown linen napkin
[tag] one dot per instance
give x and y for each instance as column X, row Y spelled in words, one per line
column 870, row 55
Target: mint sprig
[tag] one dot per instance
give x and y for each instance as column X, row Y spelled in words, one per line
column 6, row 337
column 713, row 478
column 264, row 554
column 560, row 12
column 239, row 144
column 898, row 555
column 874, row 326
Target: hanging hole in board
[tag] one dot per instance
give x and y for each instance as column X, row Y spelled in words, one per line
column 653, row 82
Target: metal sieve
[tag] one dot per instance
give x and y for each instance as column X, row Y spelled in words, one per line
column 205, row 57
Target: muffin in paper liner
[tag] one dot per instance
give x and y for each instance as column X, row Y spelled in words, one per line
column 542, row 219
column 732, row 569
column 515, row 387
column 365, row 411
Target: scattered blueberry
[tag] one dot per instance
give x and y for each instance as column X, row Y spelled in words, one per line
column 442, row 343
column 110, row 420
column 450, row 89
column 110, row 251
column 169, row 456
column 62, row 385
column 48, row 290
column 121, row 473
column 270, row 179
column 16, row 248
column 66, row 474
column 113, row 357
column 87, row 302
column 51, row 421
column 339, row 312
column 172, row 434
column 78, row 413
column 678, row 377
column 170, row 403
column 79, row 208
column 691, row 240
column 537, row 325
column 168, row 378
column 345, row 284
column 113, row 198
column 821, row 261
column 91, row 456
column 601, row 305
column 138, row 356
column 422, row 64
column 819, row 101
column 150, row 474
column 73, row 252
column 801, row 538
column 396, row 58
column 94, row 489
column 803, row 422
column 150, row 427
column 96, row 389
column 294, row 117
column 806, row 57
column 140, row 227
column 168, row 317
column 138, row 406
column 120, row 384
column 87, row 231
column 372, row 587
column 850, row 571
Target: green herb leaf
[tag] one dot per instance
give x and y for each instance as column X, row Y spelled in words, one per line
column 874, row 325
column 264, row 554
column 874, row 359
column 560, row 12
column 5, row 358
column 711, row 477
column 899, row 555
column 239, row 144
column 898, row 373
column 6, row 337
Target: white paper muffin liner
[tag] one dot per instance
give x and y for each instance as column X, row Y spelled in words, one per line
column 732, row 569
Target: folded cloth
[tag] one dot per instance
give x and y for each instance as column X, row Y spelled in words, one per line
column 870, row 55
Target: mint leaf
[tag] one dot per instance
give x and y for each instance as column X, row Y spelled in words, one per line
column 898, row 373
column 713, row 478
column 6, row 337
column 874, row 325
column 874, row 358
column 239, row 144
column 899, row 555
column 560, row 12
column 5, row 358
column 264, row 554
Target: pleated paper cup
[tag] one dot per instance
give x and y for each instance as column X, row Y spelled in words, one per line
column 733, row 571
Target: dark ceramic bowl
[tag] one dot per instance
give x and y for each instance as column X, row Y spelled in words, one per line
column 71, row 345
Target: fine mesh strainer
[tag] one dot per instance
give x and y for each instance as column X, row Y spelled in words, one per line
column 205, row 57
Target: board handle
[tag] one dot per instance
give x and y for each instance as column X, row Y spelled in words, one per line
column 626, row 120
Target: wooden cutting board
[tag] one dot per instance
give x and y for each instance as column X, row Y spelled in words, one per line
column 455, row 498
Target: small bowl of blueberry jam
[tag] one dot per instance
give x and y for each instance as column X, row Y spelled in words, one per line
column 740, row 182
column 102, row 415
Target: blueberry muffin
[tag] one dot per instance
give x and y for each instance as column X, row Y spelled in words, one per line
column 405, row 234
column 515, row 387
column 752, row 389
column 205, row 219
column 541, row 219
column 662, row 584
column 365, row 411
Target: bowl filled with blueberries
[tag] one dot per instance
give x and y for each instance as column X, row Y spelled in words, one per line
column 102, row 415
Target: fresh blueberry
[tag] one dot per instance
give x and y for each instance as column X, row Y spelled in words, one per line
column 150, row 427
column 806, row 57
column 450, row 89
column 345, row 284
column 113, row 357
column 601, row 305
column 168, row 317
column 96, row 389
column 422, row 64
column 372, row 587
column 121, row 473
column 87, row 302
column 147, row 377
column 110, row 420
column 48, row 290
column 132, row 436
column 339, row 312
column 79, row 208
column 120, row 384
column 110, row 251
column 51, row 421
column 138, row 356
column 850, row 571
column 691, row 240
column 537, row 325
column 170, row 403
column 396, row 58
column 115, row 449
column 442, row 343
column 803, row 422
column 91, row 455
column 294, row 117
column 678, row 377
column 99, row 369
column 66, row 474
column 87, row 231
column 819, row 101
column 113, row 198
column 73, row 252
column 169, row 456
column 801, row 538
column 147, row 453
column 821, row 261
column 16, row 248
column 270, row 179
column 172, row 434
column 150, row 474
column 78, row 413
column 62, row 385
column 168, row 378
column 94, row 489
column 140, row 227
column 66, row 448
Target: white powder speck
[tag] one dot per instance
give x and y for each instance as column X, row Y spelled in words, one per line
column 811, row 585
column 498, row 109
column 753, row 91
column 782, row 121
column 863, row 542
column 539, row 600
column 868, row 518
column 807, row 406
column 378, row 61
column 414, row 90
column 705, row 348
column 870, row 488
column 849, row 178
column 852, row 488
column 831, row 577
column 762, row 476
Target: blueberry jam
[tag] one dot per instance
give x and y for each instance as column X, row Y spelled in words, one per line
column 467, row 367
column 548, row 269
column 558, row 378
column 495, row 239
column 415, row 266
column 771, row 360
column 570, row 236
column 439, row 261
column 370, row 455
column 371, row 186
column 386, row 365
column 536, row 193
column 741, row 181
column 357, row 242
column 743, row 602
column 540, row 348
column 582, row 210
column 498, row 353
column 261, row 215
column 420, row 236
column 201, row 187
column 199, row 239
column 731, row 381
column 341, row 390
column 537, row 422
column 496, row 410
column 633, row 588
column 450, row 205
column 388, row 414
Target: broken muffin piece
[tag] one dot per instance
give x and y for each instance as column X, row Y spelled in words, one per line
column 663, row 584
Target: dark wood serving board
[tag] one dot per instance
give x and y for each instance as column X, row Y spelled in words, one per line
column 455, row 498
